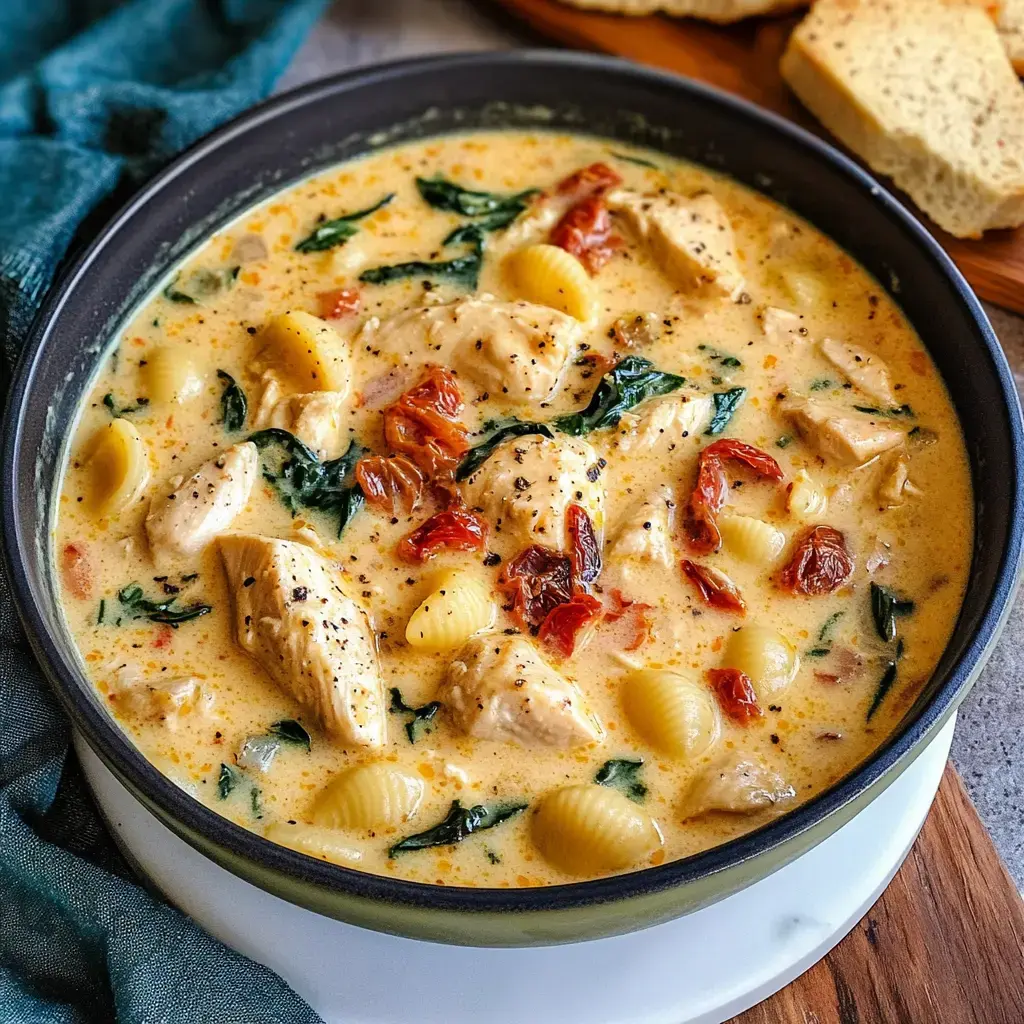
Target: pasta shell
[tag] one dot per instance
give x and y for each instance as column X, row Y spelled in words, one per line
column 370, row 796
column 769, row 659
column 671, row 712
column 552, row 277
column 591, row 829
column 307, row 352
column 119, row 466
column 460, row 607
column 170, row 375
column 752, row 540
column 323, row 843
column 806, row 500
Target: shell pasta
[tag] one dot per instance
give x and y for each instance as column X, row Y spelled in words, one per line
column 505, row 509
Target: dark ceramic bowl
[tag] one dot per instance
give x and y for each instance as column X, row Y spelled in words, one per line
column 328, row 121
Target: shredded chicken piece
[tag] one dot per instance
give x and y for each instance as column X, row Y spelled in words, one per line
column 737, row 784
column 844, row 436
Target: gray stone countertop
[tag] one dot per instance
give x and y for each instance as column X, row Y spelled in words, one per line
column 988, row 748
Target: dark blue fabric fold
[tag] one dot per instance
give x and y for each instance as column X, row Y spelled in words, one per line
column 97, row 96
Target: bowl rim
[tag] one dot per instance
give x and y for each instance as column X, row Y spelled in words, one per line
column 176, row 806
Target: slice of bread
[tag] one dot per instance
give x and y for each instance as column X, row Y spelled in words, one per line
column 924, row 92
column 722, row 11
column 1011, row 28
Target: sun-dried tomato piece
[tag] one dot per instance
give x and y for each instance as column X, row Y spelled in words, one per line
column 735, row 694
column 339, row 302
column 586, row 232
column 636, row 615
column 537, row 580
column 820, row 564
column 567, row 626
column 585, row 549
column 715, row 587
column 393, row 485
column 454, row 529
column 712, row 488
column 423, row 423
column 588, row 181
column 76, row 570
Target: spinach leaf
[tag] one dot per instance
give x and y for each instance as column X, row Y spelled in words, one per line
column 301, row 479
column 885, row 607
column 464, row 270
column 623, row 774
column 201, row 283
column 233, row 406
column 331, row 233
column 819, row 652
column 827, row 626
column 726, row 404
column 625, row 385
column 478, row 455
column 124, row 410
column 172, row 294
column 899, row 410
column 290, row 731
column 460, row 823
column 886, row 682
column 255, row 802
column 446, row 195
column 228, row 780
column 722, row 358
column 638, row 160
column 822, row 384
column 103, row 612
column 137, row 606
column 422, row 717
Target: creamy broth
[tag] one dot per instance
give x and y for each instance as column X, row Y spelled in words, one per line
column 702, row 278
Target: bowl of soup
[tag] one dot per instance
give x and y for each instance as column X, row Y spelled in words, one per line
column 509, row 499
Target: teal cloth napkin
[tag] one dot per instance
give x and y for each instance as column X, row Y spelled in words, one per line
column 97, row 95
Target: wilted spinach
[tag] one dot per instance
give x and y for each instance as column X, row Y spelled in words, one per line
column 422, row 717
column 233, row 404
column 460, row 823
column 628, row 383
column 137, row 606
column 885, row 607
column 638, row 160
column 201, row 284
column 464, row 270
column 500, row 210
column 124, row 410
column 623, row 774
column 230, row 778
column 479, row 454
column 331, row 233
column 726, row 404
column 885, row 684
column 290, row 731
column 898, row 410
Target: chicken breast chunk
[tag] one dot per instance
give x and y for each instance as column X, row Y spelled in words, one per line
column 499, row 688
column 183, row 522
column 850, row 438
column 515, row 350
column 311, row 638
column 863, row 369
column 663, row 423
column 737, row 784
column 690, row 237
column 170, row 703
column 527, row 484
column 781, row 327
column 645, row 533
column 314, row 418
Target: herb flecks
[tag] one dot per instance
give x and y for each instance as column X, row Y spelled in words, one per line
column 329, row 234
column 123, row 410
column 887, row 680
column 479, row 454
column 623, row 774
column 422, row 718
column 627, row 384
column 899, row 410
column 230, row 779
column 460, row 823
column 233, row 404
column 638, row 160
column 137, row 606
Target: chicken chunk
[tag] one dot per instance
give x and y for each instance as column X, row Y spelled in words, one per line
column 737, row 784
column 849, row 438
column 894, row 483
column 499, row 688
column 781, row 327
column 662, row 424
column 515, row 350
column 293, row 617
column 314, row 418
column 646, row 531
column 863, row 369
column 690, row 237
column 528, row 482
column 170, row 703
column 183, row 522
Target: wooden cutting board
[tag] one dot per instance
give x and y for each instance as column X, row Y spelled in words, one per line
column 744, row 59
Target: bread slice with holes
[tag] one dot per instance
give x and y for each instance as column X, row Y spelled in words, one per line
column 923, row 90
column 1011, row 28
column 722, row 11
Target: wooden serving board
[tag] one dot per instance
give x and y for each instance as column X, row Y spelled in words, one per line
column 744, row 59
